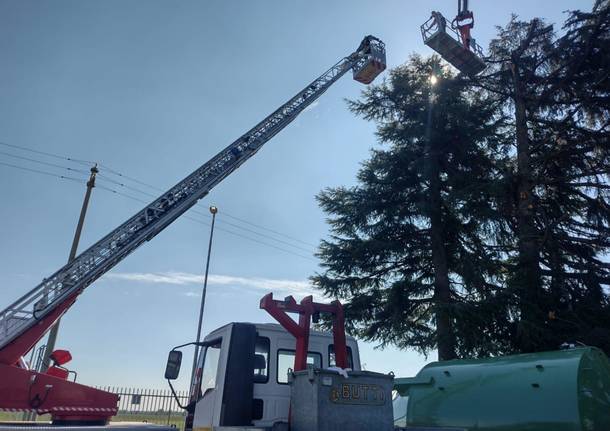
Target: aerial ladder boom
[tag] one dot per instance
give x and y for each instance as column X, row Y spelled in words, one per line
column 26, row 320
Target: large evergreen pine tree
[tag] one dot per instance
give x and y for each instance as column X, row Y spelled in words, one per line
column 408, row 251
column 557, row 187
column 482, row 223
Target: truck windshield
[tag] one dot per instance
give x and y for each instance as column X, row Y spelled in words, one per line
column 210, row 356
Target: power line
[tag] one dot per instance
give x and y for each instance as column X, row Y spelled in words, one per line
column 207, row 216
column 115, row 172
column 202, row 213
column 51, row 174
column 106, row 178
column 108, row 189
column 102, row 187
column 269, row 230
column 135, row 180
column 137, row 190
column 80, row 171
column 118, row 183
column 263, row 235
column 56, row 156
column 197, row 220
column 255, row 240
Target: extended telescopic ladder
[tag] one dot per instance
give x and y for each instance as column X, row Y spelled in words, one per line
column 26, row 320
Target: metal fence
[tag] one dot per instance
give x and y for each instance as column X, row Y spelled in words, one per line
column 149, row 405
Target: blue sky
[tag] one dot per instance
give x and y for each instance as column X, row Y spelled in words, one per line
column 153, row 89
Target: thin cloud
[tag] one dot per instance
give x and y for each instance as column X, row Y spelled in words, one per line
column 281, row 287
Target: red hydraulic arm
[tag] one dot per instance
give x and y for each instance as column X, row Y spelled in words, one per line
column 11, row 353
column 306, row 309
column 464, row 22
column 22, row 389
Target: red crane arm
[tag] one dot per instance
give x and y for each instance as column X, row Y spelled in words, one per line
column 306, row 309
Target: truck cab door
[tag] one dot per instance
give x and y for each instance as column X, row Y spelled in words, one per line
column 210, row 385
column 227, row 378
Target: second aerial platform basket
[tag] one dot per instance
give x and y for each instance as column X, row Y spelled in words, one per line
column 445, row 40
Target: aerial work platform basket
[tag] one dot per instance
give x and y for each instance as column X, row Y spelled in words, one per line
column 445, row 40
column 372, row 63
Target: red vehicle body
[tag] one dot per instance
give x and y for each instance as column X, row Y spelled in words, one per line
column 22, row 389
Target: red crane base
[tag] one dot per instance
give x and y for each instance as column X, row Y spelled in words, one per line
column 67, row 402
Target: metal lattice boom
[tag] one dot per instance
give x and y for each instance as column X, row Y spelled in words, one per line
column 148, row 222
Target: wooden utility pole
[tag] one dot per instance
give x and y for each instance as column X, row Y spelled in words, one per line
column 79, row 228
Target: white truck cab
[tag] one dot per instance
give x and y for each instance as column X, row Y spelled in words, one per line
column 242, row 374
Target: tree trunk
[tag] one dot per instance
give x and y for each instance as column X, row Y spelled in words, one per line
column 442, row 288
column 527, row 275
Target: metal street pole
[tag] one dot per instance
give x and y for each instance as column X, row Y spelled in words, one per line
column 79, row 227
column 213, row 210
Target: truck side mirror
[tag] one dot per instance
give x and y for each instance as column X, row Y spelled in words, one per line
column 172, row 369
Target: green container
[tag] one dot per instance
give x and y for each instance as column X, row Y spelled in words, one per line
column 567, row 390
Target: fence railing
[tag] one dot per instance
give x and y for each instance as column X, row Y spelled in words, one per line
column 156, row 406
column 149, row 405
